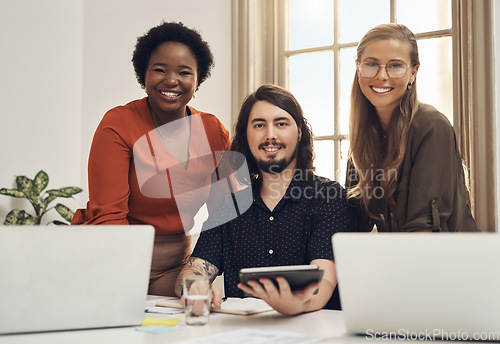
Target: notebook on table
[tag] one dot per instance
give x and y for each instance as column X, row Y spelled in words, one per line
column 420, row 285
column 230, row 305
column 66, row 278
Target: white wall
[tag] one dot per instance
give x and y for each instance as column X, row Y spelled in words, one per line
column 65, row 63
column 40, row 93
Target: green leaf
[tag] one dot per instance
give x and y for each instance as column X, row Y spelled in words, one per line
column 37, row 203
column 12, row 192
column 57, row 193
column 66, row 192
column 65, row 212
column 40, row 182
column 24, row 184
column 71, row 190
column 14, row 217
column 30, row 221
column 60, row 223
column 20, row 217
column 49, row 199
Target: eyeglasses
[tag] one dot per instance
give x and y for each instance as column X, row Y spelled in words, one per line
column 395, row 69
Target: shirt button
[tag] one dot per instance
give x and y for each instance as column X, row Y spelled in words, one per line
column 271, row 218
column 271, row 251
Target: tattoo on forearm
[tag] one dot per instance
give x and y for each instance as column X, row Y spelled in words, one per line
column 210, row 270
column 196, row 266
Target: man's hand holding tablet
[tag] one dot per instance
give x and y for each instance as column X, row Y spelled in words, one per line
column 288, row 289
column 297, row 276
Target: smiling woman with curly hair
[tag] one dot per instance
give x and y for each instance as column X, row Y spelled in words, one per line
column 146, row 163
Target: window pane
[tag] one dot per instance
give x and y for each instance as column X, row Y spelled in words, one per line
column 437, row 14
column 311, row 82
column 356, row 17
column 341, row 169
column 347, row 71
column 435, row 82
column 311, row 23
column 324, row 161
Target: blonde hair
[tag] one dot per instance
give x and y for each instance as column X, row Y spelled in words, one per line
column 364, row 127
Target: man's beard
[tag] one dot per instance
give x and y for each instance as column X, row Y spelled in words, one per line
column 276, row 166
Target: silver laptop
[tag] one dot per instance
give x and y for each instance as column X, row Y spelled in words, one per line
column 65, row 278
column 420, row 285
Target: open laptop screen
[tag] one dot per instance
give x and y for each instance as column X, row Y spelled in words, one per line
column 445, row 285
column 60, row 278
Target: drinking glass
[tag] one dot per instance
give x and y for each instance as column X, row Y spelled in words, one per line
column 197, row 299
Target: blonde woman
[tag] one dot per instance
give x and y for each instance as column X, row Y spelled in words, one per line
column 405, row 171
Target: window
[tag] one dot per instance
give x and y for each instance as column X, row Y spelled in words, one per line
column 320, row 55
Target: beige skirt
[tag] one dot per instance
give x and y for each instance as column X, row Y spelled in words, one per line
column 170, row 254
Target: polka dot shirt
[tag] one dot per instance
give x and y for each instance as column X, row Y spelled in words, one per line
column 297, row 231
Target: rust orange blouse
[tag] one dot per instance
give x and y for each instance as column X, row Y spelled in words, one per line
column 118, row 194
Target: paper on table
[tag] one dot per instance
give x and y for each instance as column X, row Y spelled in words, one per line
column 245, row 306
column 159, row 321
column 156, row 329
column 164, row 310
column 255, row 336
column 232, row 305
column 151, row 306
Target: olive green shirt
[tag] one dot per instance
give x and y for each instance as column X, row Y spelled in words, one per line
column 431, row 192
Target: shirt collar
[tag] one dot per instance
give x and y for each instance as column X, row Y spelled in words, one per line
column 293, row 192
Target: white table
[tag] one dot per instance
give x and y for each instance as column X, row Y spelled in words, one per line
column 323, row 323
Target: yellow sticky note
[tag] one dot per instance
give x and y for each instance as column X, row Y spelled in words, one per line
column 160, row 321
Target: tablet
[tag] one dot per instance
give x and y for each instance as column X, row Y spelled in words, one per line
column 298, row 276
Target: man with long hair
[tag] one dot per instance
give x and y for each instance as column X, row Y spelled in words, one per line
column 293, row 215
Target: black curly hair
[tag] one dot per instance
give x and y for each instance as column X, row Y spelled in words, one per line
column 172, row 32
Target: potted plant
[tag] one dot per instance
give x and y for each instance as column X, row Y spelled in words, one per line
column 33, row 191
